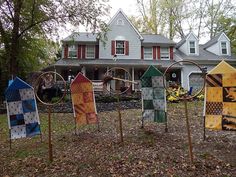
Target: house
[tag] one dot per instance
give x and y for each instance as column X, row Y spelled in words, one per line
column 126, row 47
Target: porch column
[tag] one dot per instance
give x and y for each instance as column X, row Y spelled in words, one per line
column 55, row 75
column 108, row 84
column 83, row 70
column 132, row 75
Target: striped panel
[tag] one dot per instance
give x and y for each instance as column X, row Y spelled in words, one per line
column 214, row 80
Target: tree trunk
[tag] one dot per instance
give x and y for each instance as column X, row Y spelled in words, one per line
column 14, row 50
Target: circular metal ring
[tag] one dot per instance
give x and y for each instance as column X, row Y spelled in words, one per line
column 37, row 86
column 120, row 68
column 185, row 96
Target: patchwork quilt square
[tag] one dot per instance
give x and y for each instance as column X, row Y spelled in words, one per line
column 146, row 82
column 15, row 107
column 214, row 80
column 30, row 117
column 147, row 93
column 17, row 120
column 28, row 106
column 157, row 81
column 18, row 131
column 159, row 104
column 160, row 116
column 148, row 114
column 32, row 129
column 148, row 104
column 214, row 108
column 26, row 94
column 158, row 93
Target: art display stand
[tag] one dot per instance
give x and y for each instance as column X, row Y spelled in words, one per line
column 185, row 98
column 50, row 104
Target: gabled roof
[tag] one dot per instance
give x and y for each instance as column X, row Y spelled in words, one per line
column 156, row 38
column 151, row 71
column 222, row 67
column 82, row 37
column 203, row 55
column 182, row 41
column 121, row 11
column 213, row 40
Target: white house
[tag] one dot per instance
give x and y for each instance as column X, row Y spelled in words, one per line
column 135, row 52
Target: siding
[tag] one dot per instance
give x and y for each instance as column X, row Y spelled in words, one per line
column 125, row 32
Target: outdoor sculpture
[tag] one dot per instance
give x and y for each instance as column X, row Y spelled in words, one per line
column 49, row 93
column 117, row 81
column 22, row 112
column 185, row 98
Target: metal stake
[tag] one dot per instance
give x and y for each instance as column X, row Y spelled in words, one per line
column 120, row 120
column 49, row 135
column 188, row 131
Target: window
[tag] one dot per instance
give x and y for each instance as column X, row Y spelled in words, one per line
column 165, row 53
column 90, row 51
column 147, row 52
column 223, row 48
column 192, row 47
column 120, row 47
column 72, row 52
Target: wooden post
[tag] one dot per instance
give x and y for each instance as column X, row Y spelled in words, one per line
column 49, row 135
column 188, row 131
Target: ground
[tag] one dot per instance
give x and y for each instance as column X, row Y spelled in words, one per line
column 146, row 152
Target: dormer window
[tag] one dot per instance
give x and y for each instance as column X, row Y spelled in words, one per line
column 192, row 48
column 72, row 51
column 120, row 47
column 223, row 48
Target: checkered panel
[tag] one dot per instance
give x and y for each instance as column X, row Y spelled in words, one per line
column 214, row 108
column 146, row 82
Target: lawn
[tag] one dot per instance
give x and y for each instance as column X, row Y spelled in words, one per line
column 146, row 152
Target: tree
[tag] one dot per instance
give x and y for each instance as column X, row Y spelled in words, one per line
column 37, row 20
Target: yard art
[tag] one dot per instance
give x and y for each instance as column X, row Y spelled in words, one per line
column 153, row 96
column 83, row 100
column 22, row 113
column 220, row 99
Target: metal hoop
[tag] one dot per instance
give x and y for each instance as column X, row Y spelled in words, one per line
column 37, row 86
column 185, row 96
column 114, row 68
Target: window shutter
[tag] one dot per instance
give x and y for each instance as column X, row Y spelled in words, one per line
column 97, row 51
column 79, row 52
column 66, row 51
column 126, row 47
column 141, row 52
column 112, row 47
column 171, row 53
column 83, row 51
column 154, row 52
column 158, row 52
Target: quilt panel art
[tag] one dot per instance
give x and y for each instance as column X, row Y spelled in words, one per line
column 153, row 96
column 22, row 112
column 220, row 100
column 83, row 100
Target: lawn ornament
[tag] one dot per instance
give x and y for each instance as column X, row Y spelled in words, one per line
column 220, row 98
column 185, row 97
column 118, row 81
column 22, row 111
column 153, row 96
column 50, row 89
column 83, row 101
